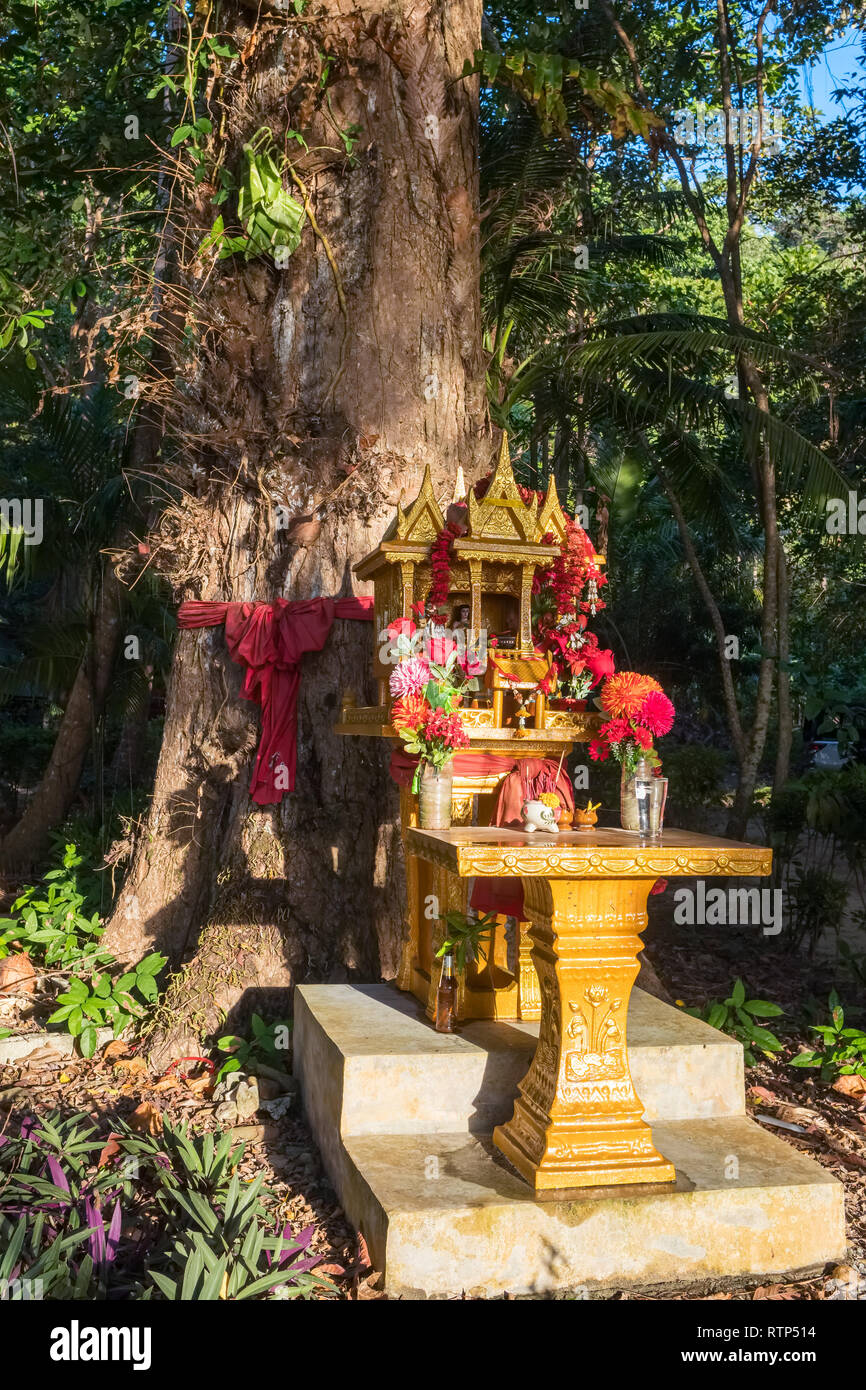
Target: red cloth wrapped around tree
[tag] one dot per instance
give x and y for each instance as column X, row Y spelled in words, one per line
column 270, row 639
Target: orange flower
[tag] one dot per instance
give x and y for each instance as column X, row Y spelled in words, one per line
column 625, row 692
column 408, row 712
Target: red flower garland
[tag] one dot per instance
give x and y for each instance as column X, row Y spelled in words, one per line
column 440, row 563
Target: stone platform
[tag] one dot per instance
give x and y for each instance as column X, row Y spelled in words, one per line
column 403, row 1117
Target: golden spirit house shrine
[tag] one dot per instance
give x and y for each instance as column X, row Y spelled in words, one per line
column 576, row 1132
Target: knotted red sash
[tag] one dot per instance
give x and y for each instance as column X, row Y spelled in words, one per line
column 270, row 639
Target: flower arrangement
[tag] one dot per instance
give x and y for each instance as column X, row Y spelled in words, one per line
column 565, row 595
column 638, row 711
column 428, row 689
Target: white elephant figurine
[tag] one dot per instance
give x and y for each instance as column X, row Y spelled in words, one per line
column 537, row 816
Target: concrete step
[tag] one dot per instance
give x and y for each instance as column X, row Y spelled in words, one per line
column 444, row 1214
column 386, row 1071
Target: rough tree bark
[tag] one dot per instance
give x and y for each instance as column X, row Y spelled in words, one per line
column 325, row 387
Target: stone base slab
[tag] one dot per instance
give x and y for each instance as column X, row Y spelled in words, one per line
column 396, row 1075
column 403, row 1117
column 444, row 1215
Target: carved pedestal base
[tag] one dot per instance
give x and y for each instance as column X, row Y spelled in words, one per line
column 577, row 1120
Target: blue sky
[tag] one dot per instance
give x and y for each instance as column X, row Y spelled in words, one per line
column 836, row 67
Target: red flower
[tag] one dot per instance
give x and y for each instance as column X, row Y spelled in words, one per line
column 447, row 729
column 643, row 736
column 615, row 730
column 656, row 713
column 401, row 627
column 438, row 649
column 600, row 663
column 599, row 751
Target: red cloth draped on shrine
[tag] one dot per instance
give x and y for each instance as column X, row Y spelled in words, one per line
column 527, row 778
column 269, row 639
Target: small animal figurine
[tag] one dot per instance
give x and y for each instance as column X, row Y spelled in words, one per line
column 537, row 816
column 586, row 819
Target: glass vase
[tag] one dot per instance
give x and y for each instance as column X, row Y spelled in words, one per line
column 634, row 811
column 434, row 796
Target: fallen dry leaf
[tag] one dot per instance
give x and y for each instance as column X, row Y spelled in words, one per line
column 799, row 1115
column 17, row 975
column 854, row 1086
column 200, row 1085
column 251, row 1134
column 117, row 1048
column 165, row 1083
column 111, row 1150
column 43, row 1056
column 146, row 1118
column 761, row 1093
column 133, row 1066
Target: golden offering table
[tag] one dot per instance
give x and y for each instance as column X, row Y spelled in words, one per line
column 577, row 1120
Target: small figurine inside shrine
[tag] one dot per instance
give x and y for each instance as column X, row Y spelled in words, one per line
column 486, row 612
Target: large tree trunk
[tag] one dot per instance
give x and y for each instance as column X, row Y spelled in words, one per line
column 350, row 368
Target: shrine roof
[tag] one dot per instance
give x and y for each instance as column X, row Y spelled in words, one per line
column 506, row 522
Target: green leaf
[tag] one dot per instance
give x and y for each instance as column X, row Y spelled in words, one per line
column 761, row 1009
column 717, row 1015
column 147, row 986
column 87, row 1041
column 151, row 965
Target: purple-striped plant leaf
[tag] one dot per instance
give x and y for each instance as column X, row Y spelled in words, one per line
column 58, row 1177
column 95, row 1223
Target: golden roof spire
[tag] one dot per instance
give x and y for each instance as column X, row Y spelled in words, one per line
column 423, row 521
column 502, row 512
column 552, row 516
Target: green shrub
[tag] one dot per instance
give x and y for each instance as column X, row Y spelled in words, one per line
column 696, row 777
column 817, row 828
column 265, row 1047
column 52, row 925
column 736, row 1016
column 842, row 1051
column 142, row 1217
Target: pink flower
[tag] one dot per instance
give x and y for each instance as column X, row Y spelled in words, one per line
column 656, row 713
column 410, row 677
